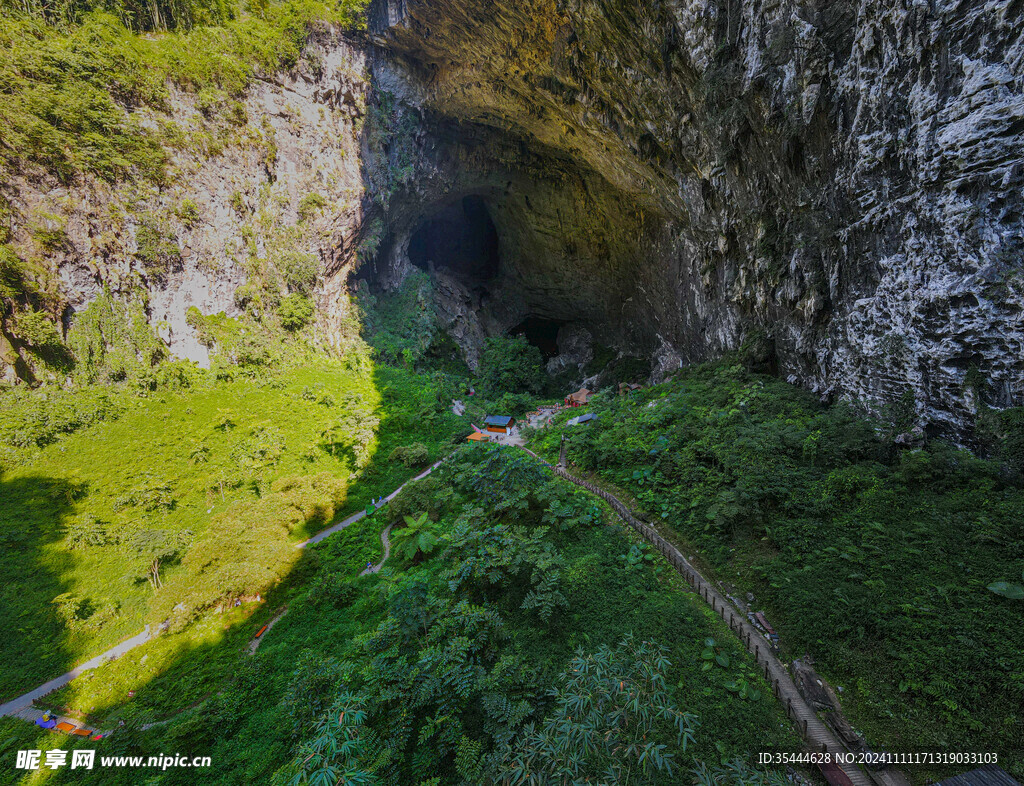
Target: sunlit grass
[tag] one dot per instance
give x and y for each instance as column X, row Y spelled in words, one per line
column 180, row 463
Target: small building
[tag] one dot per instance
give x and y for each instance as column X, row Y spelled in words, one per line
column 477, row 436
column 579, row 398
column 628, row 387
column 580, row 419
column 499, row 424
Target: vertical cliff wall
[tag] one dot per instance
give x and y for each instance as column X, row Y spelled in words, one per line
column 252, row 185
column 674, row 175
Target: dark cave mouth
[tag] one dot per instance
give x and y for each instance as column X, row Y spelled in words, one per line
column 460, row 239
column 541, row 332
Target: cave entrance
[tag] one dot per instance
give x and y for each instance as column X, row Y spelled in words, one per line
column 541, row 332
column 461, row 239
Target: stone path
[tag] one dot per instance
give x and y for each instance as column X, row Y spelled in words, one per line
column 15, row 706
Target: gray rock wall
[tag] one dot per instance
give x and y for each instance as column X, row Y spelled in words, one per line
column 245, row 183
column 845, row 176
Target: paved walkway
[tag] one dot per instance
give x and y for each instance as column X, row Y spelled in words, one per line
column 14, row 706
column 255, row 643
column 817, row 735
column 362, row 514
column 385, row 539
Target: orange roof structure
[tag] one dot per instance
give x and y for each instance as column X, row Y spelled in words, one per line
column 581, row 396
column 476, row 436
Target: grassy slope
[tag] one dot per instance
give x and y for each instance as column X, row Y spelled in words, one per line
column 874, row 561
column 276, row 433
column 250, row 730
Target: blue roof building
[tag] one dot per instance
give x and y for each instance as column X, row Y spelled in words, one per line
column 500, row 423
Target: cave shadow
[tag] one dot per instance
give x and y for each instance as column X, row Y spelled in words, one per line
column 34, row 637
column 541, row 333
column 459, row 238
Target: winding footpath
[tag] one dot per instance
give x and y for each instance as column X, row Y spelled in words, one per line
column 817, row 735
column 385, row 539
column 21, row 707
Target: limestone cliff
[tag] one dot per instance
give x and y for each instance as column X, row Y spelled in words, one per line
column 676, row 174
column 667, row 177
column 233, row 202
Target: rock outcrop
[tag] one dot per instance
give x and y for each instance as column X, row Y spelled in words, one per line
column 234, row 200
column 676, row 175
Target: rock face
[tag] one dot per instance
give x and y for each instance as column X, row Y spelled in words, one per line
column 841, row 180
column 676, row 175
column 233, row 202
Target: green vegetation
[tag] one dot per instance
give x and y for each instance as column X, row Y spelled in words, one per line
column 510, row 364
column 295, row 311
column 508, row 605
column 876, row 560
column 72, row 71
column 310, row 205
column 120, row 510
column 403, row 329
column 112, row 342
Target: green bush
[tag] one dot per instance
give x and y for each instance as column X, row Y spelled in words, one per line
column 113, row 342
column 295, row 312
column 415, row 455
column 39, row 417
column 40, row 332
column 510, row 364
column 310, row 205
column 188, row 212
column 156, row 247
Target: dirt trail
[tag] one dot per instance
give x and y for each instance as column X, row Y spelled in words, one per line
column 385, row 539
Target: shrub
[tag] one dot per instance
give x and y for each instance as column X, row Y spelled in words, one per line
column 310, row 205
column 188, row 212
column 298, row 269
column 156, row 247
column 44, row 339
column 113, row 341
column 415, row 455
column 295, row 312
column 510, row 364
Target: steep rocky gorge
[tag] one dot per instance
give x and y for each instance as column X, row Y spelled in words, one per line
column 668, row 179
column 675, row 176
